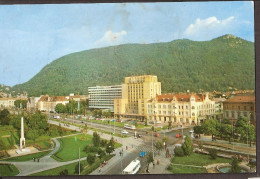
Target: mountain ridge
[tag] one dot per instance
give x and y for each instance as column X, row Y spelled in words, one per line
column 179, row 64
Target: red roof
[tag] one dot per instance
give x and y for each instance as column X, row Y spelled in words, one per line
column 180, row 97
column 239, row 99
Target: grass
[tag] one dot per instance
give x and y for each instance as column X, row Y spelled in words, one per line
column 69, row 147
column 6, row 133
column 28, row 157
column 56, row 171
column 8, row 170
column 183, row 169
column 71, row 168
column 198, row 160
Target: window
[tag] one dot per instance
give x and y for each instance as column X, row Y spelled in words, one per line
column 187, row 107
column 193, row 114
column 244, row 107
column 186, row 113
column 175, row 119
column 187, row 120
column 238, row 107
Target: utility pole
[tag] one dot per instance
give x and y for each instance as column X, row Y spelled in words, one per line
column 79, row 161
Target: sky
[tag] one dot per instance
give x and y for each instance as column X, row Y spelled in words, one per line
column 32, row 36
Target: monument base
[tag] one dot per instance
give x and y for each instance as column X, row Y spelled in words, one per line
column 23, row 151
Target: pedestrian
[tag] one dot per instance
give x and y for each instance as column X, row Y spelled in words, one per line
column 132, row 145
column 126, row 147
column 153, row 164
column 99, row 170
column 120, row 153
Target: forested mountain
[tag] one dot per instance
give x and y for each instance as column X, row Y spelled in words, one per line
column 223, row 62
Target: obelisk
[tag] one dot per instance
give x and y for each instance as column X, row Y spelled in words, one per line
column 22, row 139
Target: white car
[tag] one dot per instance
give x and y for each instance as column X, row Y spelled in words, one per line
column 124, row 132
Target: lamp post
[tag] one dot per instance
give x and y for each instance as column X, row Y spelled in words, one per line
column 79, row 161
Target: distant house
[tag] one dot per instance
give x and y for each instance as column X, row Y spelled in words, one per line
column 9, row 102
column 48, row 103
column 240, row 105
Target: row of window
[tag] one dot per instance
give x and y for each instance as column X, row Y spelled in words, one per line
column 227, row 107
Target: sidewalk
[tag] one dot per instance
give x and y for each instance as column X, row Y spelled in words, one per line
column 162, row 167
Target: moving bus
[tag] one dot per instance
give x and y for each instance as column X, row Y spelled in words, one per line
column 127, row 126
column 133, row 167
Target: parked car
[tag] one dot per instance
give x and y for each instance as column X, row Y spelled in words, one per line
column 178, row 135
column 157, row 135
column 124, row 132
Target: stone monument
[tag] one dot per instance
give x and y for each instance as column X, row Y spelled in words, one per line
column 22, row 148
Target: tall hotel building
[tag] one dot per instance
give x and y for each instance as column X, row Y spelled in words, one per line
column 136, row 91
column 102, row 97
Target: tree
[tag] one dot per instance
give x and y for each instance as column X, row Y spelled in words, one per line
column 235, row 168
column 187, row 146
column 64, row 172
column 149, row 159
column 226, row 130
column 20, row 104
column 210, row 127
column 145, row 123
column 170, row 124
column 198, row 130
column 109, row 149
column 213, row 153
column 77, row 167
column 101, row 153
column 96, row 139
column 159, row 146
column 91, row 159
column 99, row 113
column 4, row 117
column 110, row 146
column 60, row 108
column 32, row 134
column 178, row 151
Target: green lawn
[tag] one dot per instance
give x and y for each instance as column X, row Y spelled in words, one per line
column 28, row 157
column 69, row 149
column 56, row 171
column 6, row 133
column 71, row 168
column 198, row 160
column 183, row 169
column 8, row 170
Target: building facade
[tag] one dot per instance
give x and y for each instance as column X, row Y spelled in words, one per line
column 102, row 97
column 9, row 102
column 136, row 91
column 219, row 109
column 242, row 105
column 48, row 103
column 181, row 109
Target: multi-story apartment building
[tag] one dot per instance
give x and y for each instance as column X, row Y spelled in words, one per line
column 181, row 109
column 136, row 91
column 242, row 105
column 48, row 103
column 219, row 107
column 9, row 102
column 102, row 97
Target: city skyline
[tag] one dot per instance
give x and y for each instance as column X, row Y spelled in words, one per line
column 46, row 36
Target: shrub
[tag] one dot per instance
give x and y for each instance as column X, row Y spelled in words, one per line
column 169, row 167
column 187, row 146
column 103, row 143
column 179, row 151
column 213, row 153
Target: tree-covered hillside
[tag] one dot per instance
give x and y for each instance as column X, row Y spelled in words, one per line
column 227, row 61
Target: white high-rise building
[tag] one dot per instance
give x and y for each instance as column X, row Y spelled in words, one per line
column 102, row 97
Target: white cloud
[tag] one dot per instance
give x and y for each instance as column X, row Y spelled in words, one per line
column 203, row 29
column 111, row 38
